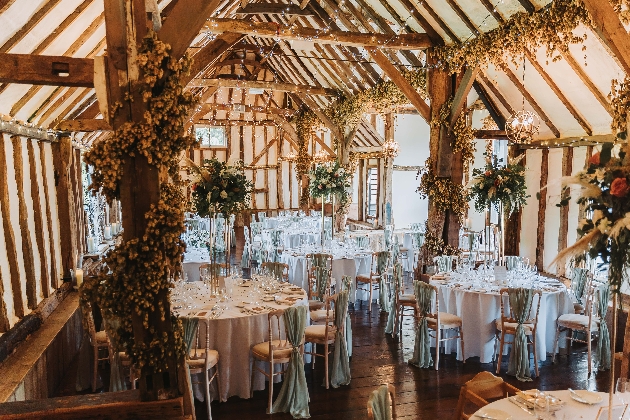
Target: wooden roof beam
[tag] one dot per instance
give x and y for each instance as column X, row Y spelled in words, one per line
column 601, row 98
column 248, row 84
column 273, row 9
column 610, row 30
column 355, row 39
column 394, row 74
column 574, row 112
column 492, row 108
column 414, row 11
column 211, row 53
column 459, row 12
column 46, row 70
column 495, row 91
column 322, row 116
column 459, row 100
column 541, row 113
column 83, row 125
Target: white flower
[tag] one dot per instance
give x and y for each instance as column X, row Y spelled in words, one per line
column 223, row 194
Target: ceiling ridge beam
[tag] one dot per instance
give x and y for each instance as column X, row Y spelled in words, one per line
column 359, row 39
column 245, row 84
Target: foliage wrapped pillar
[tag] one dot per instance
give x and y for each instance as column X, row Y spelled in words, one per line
column 139, row 165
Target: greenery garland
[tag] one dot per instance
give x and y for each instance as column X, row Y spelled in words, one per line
column 443, row 193
column 620, row 103
column 551, row 27
column 138, row 272
column 463, row 133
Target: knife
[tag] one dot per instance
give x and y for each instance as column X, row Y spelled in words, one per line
column 519, row 404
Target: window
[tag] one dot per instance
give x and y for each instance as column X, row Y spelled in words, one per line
column 372, row 191
column 210, row 136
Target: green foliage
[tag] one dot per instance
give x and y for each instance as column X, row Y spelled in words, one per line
column 219, row 188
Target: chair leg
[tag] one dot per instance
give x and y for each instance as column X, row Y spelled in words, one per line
column 95, row 373
column 437, row 348
column 500, row 351
column 206, row 383
column 314, row 352
column 326, row 362
column 555, row 344
column 590, row 356
column 270, row 386
column 395, row 329
column 535, row 354
column 216, row 367
column 370, row 302
column 461, row 340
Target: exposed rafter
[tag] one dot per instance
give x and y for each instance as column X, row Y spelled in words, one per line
column 272, row 9
column 459, row 100
column 249, row 84
column 355, row 39
column 46, row 70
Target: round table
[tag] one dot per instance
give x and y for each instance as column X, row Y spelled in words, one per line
column 232, row 334
column 479, row 310
column 572, row 410
column 341, row 266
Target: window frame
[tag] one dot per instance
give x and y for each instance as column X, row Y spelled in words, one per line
column 212, row 146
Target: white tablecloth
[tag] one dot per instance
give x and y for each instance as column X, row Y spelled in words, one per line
column 232, row 335
column 480, row 310
column 572, row 409
column 192, row 260
column 359, row 264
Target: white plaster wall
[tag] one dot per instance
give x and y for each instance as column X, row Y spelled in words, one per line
column 579, row 159
column 552, row 213
column 45, row 252
column 412, row 133
column 529, row 220
column 54, row 213
column 7, row 295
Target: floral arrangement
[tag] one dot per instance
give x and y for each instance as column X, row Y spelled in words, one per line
column 330, row 179
column 219, row 187
column 434, row 245
column 605, row 231
column 551, row 26
column 463, row 133
column 498, row 184
column 443, row 193
column 136, row 284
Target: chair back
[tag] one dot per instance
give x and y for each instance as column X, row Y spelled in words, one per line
column 507, row 314
column 273, row 321
column 579, row 279
column 362, row 241
column 199, row 344
column 346, row 282
column 427, row 305
column 380, row 263
column 398, row 278
column 214, row 269
column 417, row 239
column 444, row 263
column 478, row 391
column 320, row 260
column 88, row 316
column 319, row 279
column 382, row 403
column 279, row 271
column 512, row 262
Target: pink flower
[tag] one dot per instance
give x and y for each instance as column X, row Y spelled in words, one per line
column 619, row 187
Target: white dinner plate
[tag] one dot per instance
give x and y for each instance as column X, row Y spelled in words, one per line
column 586, row 397
column 494, row 413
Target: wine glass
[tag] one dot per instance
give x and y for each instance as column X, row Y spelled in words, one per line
column 541, row 406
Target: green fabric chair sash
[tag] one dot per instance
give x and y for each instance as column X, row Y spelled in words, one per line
column 340, row 374
column 379, row 402
column 398, row 280
column 422, row 347
column 321, row 281
column 578, row 282
column 293, row 397
column 512, row 262
column 603, row 342
column 362, row 242
column 418, row 239
column 444, row 263
column 320, row 260
column 520, row 307
column 381, row 270
column 276, row 269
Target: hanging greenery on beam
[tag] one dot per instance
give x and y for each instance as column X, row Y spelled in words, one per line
column 463, row 133
column 346, row 112
column 619, row 104
column 550, row 27
column 622, row 7
column 443, row 192
column 139, row 271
